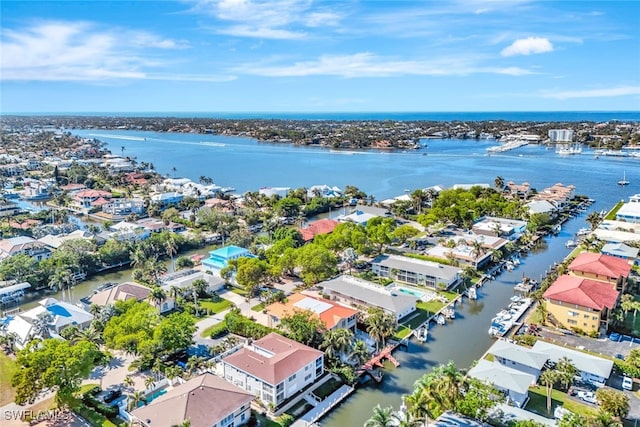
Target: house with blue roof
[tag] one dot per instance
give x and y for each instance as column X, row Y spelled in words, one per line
column 220, row 258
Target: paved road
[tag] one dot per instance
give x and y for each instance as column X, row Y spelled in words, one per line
column 598, row 345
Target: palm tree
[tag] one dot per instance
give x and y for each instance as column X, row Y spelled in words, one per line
column 88, row 335
column 593, row 219
column 380, row 325
column 359, row 352
column 129, row 381
column 149, row 382
column 185, row 423
column 174, row 170
column 157, row 296
column 499, row 183
column 541, row 311
column 567, row 370
column 135, row 399
column 548, row 379
column 382, row 417
column 171, row 248
column 337, row 342
column 419, row 405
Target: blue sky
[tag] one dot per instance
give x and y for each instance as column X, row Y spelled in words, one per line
column 308, row 56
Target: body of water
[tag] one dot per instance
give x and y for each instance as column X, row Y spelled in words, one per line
column 248, row 165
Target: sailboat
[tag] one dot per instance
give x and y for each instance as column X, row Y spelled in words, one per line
column 624, row 180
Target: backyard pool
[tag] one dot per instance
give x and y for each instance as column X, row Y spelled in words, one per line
column 152, row 396
column 412, row 292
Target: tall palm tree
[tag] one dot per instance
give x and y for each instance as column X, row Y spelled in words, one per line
column 135, row 399
column 157, row 296
column 337, row 342
column 171, row 249
column 419, row 405
column 566, row 371
column 548, row 379
column 380, row 325
column 499, row 183
column 382, row 417
column 89, row 335
column 593, row 219
column 359, row 352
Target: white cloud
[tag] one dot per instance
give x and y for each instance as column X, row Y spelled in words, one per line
column 79, row 51
column 528, row 46
column 593, row 93
column 268, row 19
column 366, row 64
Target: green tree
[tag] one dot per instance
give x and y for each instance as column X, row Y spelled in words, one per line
column 183, row 262
column 548, row 379
column 316, row 263
column 593, row 219
column 303, row 326
column 337, row 342
column 603, row 419
column 405, row 232
column 566, row 370
column 135, row 399
column 131, row 329
column 379, row 232
column 18, row 267
column 380, row 325
column 174, row 333
column 499, row 183
column 53, row 364
column 251, row 273
column 359, row 352
column 613, row 401
column 382, row 417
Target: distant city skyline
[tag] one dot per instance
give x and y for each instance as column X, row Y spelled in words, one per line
column 317, row 56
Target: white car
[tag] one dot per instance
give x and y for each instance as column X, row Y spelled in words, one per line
column 587, row 396
column 627, row 383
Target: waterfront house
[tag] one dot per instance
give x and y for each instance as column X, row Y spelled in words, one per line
column 87, row 199
column 155, row 225
column 219, row 258
column 559, row 194
column 331, row 314
column 518, row 191
column 416, row 271
column 129, row 231
column 165, row 200
column 601, row 268
column 517, row 357
column 622, row 251
column 591, row 368
column 322, row 226
column 48, row 319
column 124, row 292
column 512, row 382
column 506, row 228
column 363, row 294
column 630, row 212
column 56, row 240
column 323, row 191
column 273, row 368
column 204, row 401
column 612, row 231
column 359, row 217
column 184, row 279
column 542, row 207
column 123, row 207
column 275, row 191
column 580, row 303
column 24, row 245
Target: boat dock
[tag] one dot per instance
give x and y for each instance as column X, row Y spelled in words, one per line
column 509, row 317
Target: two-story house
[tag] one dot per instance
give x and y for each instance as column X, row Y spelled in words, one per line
column 331, row 314
column 580, row 303
column 274, row 368
column 416, row 271
column 602, row 268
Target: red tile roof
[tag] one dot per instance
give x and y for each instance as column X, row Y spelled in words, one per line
column 583, row 292
column 601, row 265
column 93, row 194
column 289, row 357
column 331, row 317
column 322, row 226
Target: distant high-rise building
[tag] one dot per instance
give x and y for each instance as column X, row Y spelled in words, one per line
column 561, row 135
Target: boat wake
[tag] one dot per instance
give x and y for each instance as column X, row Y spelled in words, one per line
column 126, row 138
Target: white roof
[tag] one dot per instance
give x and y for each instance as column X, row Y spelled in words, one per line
column 313, row 305
column 540, row 206
column 629, row 210
column 620, row 250
column 522, row 355
column 583, row 361
column 13, row 288
column 21, row 327
column 502, row 377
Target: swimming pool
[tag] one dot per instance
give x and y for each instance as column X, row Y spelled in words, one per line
column 152, row 396
column 412, row 292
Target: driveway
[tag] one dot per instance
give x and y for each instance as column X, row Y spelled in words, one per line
column 602, row 346
column 206, row 323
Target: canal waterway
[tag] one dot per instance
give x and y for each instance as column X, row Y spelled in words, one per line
column 248, row 165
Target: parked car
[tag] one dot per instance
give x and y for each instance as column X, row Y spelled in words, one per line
column 614, row 336
column 587, row 396
column 627, row 383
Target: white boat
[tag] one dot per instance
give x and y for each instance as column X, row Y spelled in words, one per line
column 569, row 150
column 449, row 313
column 422, row 334
column 570, row 244
column 583, row 232
column 624, row 180
column 472, row 293
column 440, row 320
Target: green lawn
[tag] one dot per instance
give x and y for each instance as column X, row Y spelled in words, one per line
column 238, row 291
column 402, row 332
column 7, row 368
column 538, row 402
column 433, row 306
column 258, row 307
column 266, row 422
column 417, row 318
column 214, row 307
column 327, row 388
column 612, row 213
column 208, row 331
